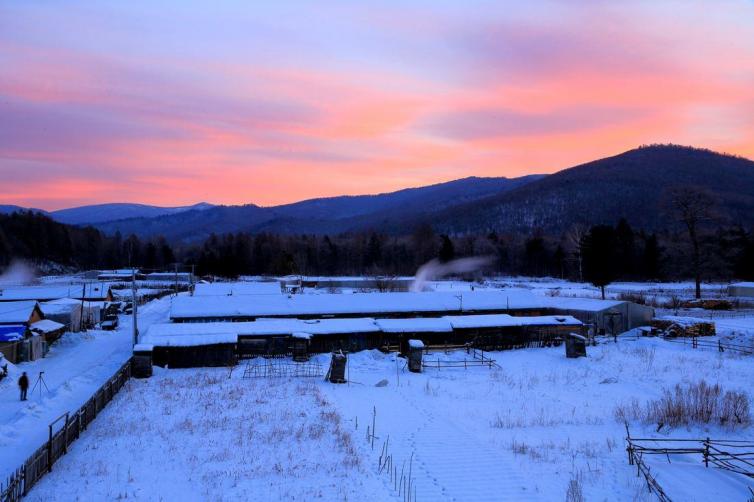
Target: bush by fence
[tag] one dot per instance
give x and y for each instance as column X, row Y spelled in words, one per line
column 62, row 432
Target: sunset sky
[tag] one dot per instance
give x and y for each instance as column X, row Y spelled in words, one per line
column 173, row 103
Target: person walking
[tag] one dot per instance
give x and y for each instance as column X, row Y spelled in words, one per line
column 23, row 384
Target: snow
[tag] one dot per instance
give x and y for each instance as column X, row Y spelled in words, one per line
column 302, row 336
column 505, row 320
column 50, row 292
column 375, row 303
column 416, row 344
column 143, row 347
column 237, row 288
column 418, row 325
column 166, row 334
column 521, row 431
column 205, row 434
column 46, row 326
column 74, row 368
column 192, row 334
column 16, row 312
column 743, row 284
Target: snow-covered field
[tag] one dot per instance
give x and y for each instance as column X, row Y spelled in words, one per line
column 524, row 431
column 207, row 435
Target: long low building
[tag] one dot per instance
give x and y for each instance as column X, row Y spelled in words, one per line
column 743, row 289
column 275, row 336
column 90, row 291
column 604, row 315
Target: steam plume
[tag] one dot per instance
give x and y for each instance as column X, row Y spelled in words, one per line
column 435, row 269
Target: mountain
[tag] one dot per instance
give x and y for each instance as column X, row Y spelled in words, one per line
column 100, row 213
column 635, row 184
column 10, row 208
column 324, row 215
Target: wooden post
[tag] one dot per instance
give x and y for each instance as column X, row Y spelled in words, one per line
column 49, row 451
column 706, row 453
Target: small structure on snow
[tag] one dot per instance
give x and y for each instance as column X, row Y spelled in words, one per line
column 415, row 353
column 575, row 345
column 337, row 371
column 141, row 365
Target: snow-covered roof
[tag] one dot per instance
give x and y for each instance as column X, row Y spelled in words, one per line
column 418, row 325
column 416, row 344
column 46, row 326
column 237, row 288
column 373, row 304
column 16, row 312
column 505, row 320
column 54, row 291
column 157, row 333
column 206, row 333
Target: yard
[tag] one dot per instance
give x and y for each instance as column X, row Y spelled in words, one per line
column 539, row 427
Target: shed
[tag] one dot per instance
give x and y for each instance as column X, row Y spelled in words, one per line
column 742, row 289
column 48, row 329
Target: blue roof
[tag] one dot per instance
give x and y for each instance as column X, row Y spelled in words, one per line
column 12, row 333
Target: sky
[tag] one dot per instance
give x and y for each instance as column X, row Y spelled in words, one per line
column 236, row 102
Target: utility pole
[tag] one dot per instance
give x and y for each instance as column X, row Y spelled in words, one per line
column 191, row 286
column 133, row 303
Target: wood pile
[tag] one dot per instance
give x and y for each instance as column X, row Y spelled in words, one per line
column 683, row 329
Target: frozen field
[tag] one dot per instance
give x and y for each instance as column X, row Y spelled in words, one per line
column 525, row 431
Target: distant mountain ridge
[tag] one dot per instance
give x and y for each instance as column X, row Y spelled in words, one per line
column 317, row 216
column 100, row 213
column 634, row 185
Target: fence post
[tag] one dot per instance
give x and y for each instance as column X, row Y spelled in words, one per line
column 706, row 453
column 49, row 450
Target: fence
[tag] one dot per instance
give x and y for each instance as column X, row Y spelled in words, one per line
column 731, row 455
column 62, row 432
column 697, row 343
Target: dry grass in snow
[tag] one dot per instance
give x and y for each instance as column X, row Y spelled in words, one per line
column 198, row 435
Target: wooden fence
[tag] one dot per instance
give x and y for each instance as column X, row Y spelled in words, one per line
column 720, row 346
column 61, row 433
column 731, row 455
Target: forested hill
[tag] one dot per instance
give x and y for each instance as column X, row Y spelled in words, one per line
column 635, row 185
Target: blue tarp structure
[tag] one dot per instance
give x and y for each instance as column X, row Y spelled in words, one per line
column 12, row 333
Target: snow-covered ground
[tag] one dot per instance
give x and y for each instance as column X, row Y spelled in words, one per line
column 207, row 435
column 524, row 431
column 76, row 366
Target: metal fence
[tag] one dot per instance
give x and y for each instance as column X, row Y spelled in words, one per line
column 62, row 432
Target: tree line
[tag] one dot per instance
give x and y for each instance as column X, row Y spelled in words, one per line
column 599, row 254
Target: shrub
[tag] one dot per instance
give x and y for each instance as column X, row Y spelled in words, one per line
column 698, row 403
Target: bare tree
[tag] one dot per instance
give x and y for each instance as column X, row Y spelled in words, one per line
column 574, row 239
column 692, row 208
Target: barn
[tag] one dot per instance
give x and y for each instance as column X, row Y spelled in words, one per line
column 602, row 316
column 300, row 337
column 184, row 348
